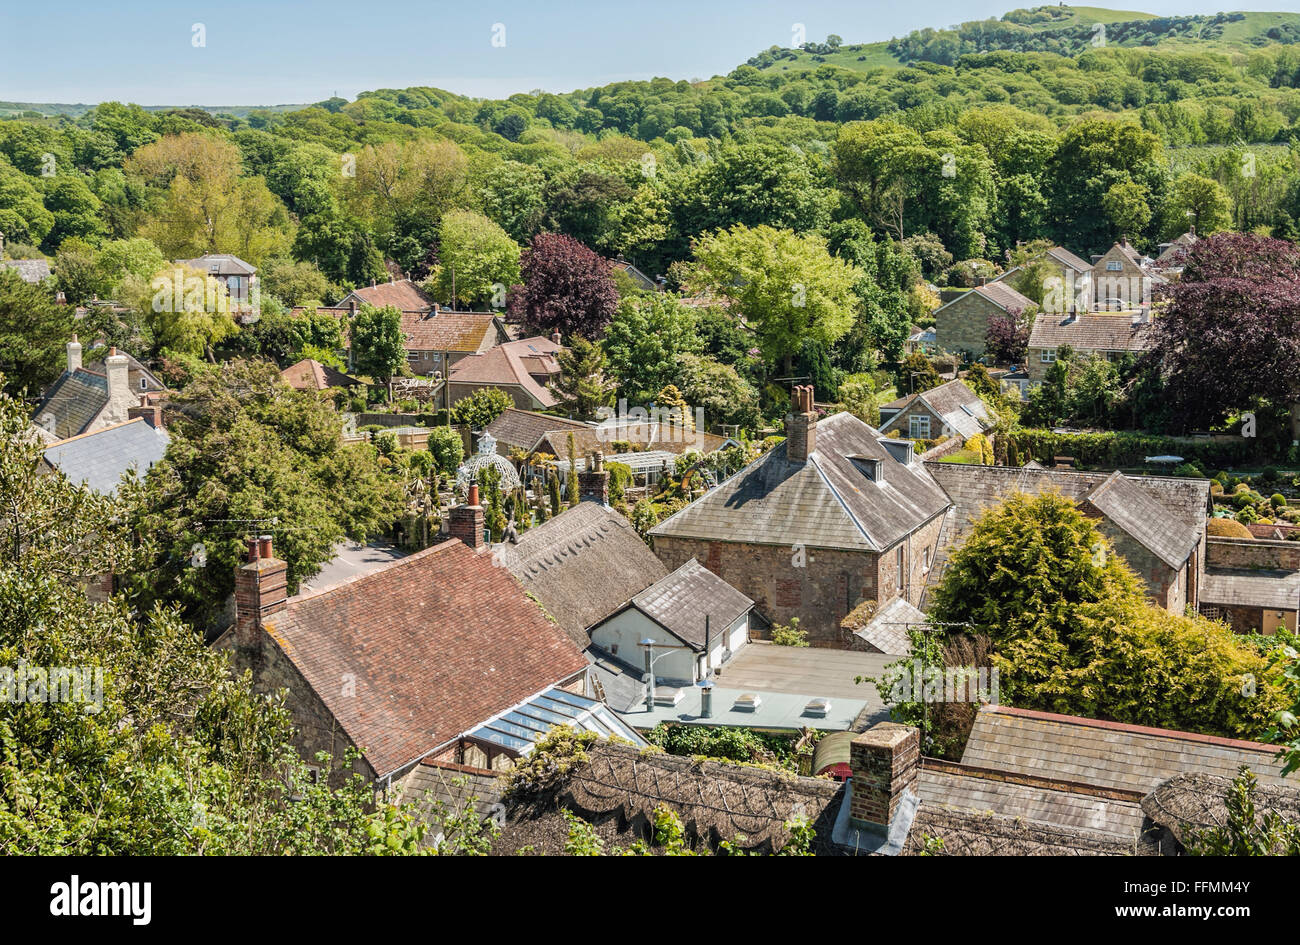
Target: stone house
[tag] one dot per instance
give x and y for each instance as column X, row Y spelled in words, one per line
column 239, row 277
column 1067, row 285
column 835, row 515
column 524, row 369
column 83, row 400
column 963, row 324
column 1111, row 335
column 1122, row 280
column 1156, row 524
column 952, row 410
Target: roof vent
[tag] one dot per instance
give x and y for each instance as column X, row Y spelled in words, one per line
column 667, row 696
column 820, row 708
column 748, row 702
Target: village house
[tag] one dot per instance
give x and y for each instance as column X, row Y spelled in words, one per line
column 437, row 658
column 950, row 410
column 309, row 374
column 524, row 369
column 1156, row 524
column 835, row 515
column 83, row 401
column 1123, row 280
column 1067, row 283
column 962, row 325
column 239, row 277
column 1110, row 335
column 524, row 430
column 100, row 459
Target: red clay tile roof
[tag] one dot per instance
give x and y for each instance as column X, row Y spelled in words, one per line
column 405, row 296
column 512, row 365
column 308, row 374
column 414, row 654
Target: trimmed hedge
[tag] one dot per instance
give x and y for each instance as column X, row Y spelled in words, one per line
column 1125, row 448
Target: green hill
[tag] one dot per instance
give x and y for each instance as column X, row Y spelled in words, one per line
column 1063, row 30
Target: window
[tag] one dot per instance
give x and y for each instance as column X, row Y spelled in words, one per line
column 1114, row 265
column 144, row 384
column 1047, row 357
column 900, row 567
column 926, row 558
column 919, row 427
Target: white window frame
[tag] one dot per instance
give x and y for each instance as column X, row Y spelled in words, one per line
column 918, row 426
column 1048, row 356
column 1114, row 265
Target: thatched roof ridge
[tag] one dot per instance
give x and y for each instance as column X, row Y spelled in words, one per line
column 1191, row 803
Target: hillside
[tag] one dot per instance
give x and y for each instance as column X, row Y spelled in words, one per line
column 1063, row 30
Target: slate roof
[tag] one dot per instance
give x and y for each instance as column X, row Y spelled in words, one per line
column 1175, row 254
column 512, row 365
column 98, row 460
column 582, row 565
column 1107, row 754
column 886, row 630
column 74, row 401
column 34, row 271
column 1179, row 520
column 1143, row 517
column 1273, row 590
column 957, row 405
column 660, row 436
column 309, row 374
column 221, row 264
column 1067, row 258
column 999, row 293
column 1098, row 332
column 435, row 643
column 525, row 428
column 681, row 601
column 461, row 332
column 828, row 502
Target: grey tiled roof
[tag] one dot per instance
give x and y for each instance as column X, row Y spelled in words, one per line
column 681, row 601
column 1143, row 517
column 960, row 408
column 524, row 428
column 1109, row 332
column 29, row 270
column 1182, row 503
column 582, row 565
column 887, row 630
column 222, row 264
column 827, row 502
column 1063, row 255
column 1033, row 803
column 1106, row 754
column 74, row 401
column 98, row 460
column 1274, row 590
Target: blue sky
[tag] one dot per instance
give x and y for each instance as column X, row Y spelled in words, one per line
column 291, row 52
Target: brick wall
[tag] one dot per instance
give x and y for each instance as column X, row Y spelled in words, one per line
column 885, row 761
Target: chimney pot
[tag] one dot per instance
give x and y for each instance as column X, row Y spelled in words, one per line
column 261, row 589
column 801, row 425
column 264, row 546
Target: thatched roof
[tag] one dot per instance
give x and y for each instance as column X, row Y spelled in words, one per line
column 618, row 788
column 1190, row 803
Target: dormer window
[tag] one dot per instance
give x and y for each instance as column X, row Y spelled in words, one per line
column 871, row 468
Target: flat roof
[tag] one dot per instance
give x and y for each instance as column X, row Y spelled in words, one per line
column 775, row 711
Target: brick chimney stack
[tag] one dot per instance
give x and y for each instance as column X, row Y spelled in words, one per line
column 74, row 354
column 555, row 337
column 466, row 521
column 593, row 482
column 801, row 425
column 151, row 413
column 884, row 761
column 261, row 590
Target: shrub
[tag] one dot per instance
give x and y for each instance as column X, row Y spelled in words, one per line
column 1216, row 488
column 1278, row 500
column 1226, row 528
column 789, row 634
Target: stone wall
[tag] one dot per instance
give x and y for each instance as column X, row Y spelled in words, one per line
column 820, row 586
column 1252, row 554
column 964, row 324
